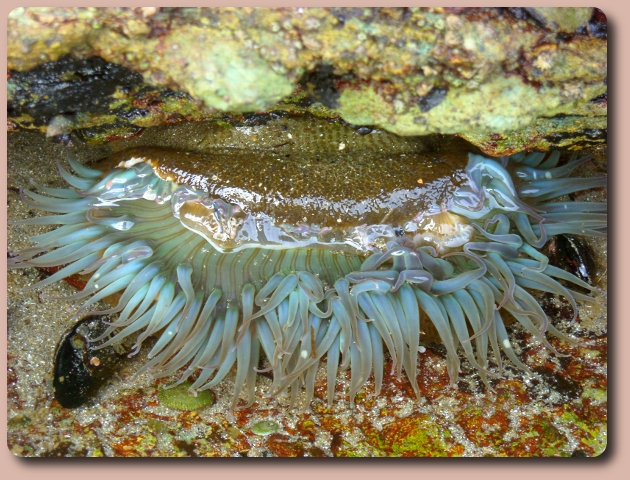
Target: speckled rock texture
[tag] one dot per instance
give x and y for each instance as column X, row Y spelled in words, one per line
column 528, row 75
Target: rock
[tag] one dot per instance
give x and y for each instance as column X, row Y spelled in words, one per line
column 412, row 71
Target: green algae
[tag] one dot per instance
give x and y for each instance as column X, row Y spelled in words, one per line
column 599, row 395
column 360, row 449
column 179, row 398
column 157, row 426
column 592, row 434
column 544, row 134
column 417, row 436
column 265, row 427
column 18, row 421
column 564, row 19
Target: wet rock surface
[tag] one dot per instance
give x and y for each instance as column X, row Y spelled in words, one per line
column 526, row 75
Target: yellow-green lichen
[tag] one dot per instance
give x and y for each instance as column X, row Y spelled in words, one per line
column 592, row 435
column 501, row 105
column 597, row 394
column 543, row 134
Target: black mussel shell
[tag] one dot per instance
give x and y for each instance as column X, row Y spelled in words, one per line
column 575, row 255
column 80, row 369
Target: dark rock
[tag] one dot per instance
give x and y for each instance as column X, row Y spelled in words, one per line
column 67, row 87
column 432, row 99
column 321, row 83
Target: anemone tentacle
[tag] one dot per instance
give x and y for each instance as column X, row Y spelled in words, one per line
column 295, row 308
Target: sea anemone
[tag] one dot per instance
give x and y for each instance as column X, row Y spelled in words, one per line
column 220, row 286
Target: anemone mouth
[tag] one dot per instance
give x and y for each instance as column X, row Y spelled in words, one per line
column 213, row 307
column 444, row 231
